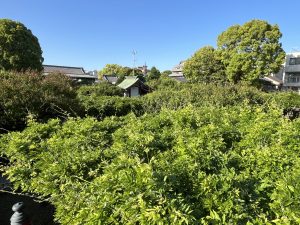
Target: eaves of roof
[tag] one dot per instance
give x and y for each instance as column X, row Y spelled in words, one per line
column 128, row 82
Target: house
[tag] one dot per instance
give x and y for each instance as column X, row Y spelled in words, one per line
column 177, row 73
column 77, row 74
column 133, row 87
column 289, row 74
column 110, row 78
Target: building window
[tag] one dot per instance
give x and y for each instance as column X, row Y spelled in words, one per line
column 294, row 61
column 293, row 77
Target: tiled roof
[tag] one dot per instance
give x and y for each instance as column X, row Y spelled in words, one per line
column 64, row 69
column 176, row 74
column 180, row 78
column 129, row 82
column 110, row 78
column 179, row 67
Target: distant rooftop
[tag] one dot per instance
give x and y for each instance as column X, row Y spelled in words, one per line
column 64, row 69
column 110, row 78
column 75, row 73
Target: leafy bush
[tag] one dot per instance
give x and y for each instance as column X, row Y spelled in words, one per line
column 182, row 95
column 208, row 165
column 163, row 83
column 103, row 106
column 100, row 89
column 31, row 94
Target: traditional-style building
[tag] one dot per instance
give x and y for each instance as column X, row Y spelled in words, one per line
column 110, row 78
column 77, row 74
column 133, row 87
column 177, row 73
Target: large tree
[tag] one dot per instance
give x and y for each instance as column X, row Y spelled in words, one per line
column 19, row 48
column 204, row 66
column 111, row 69
column 119, row 71
column 153, row 73
column 251, row 50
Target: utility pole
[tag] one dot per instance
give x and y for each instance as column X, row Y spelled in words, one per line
column 134, row 59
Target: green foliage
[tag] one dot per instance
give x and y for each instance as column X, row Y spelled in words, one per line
column 103, row 106
column 100, row 89
column 120, row 71
column 205, row 66
column 153, row 74
column 166, row 73
column 179, row 95
column 19, row 48
column 110, row 69
column 164, row 83
column 104, row 99
column 31, row 94
column 208, row 165
column 251, row 50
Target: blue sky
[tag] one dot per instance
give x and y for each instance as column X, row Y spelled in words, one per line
column 93, row 33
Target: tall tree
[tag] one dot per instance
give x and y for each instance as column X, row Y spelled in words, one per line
column 154, row 73
column 19, row 48
column 251, row 50
column 204, row 66
column 111, row 69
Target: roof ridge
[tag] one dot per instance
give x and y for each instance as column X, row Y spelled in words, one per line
column 63, row 66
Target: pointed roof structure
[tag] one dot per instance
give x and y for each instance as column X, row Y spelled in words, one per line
column 129, row 81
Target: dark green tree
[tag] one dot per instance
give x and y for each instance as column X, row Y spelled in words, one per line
column 153, row 73
column 31, row 94
column 251, row 50
column 19, row 48
column 204, row 66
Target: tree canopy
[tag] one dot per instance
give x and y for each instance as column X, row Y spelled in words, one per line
column 119, row 71
column 251, row 50
column 19, row 48
column 153, row 73
column 204, row 66
column 111, row 69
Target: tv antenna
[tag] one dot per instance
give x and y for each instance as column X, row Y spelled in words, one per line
column 134, row 59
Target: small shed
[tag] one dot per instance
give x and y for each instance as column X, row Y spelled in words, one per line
column 133, row 86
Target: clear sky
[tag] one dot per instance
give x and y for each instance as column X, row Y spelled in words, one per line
column 93, row 33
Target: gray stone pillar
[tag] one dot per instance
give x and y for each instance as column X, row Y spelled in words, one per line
column 19, row 217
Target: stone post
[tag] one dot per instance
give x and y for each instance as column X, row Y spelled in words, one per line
column 19, row 217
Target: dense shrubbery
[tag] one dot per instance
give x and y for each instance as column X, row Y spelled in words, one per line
column 100, row 89
column 171, row 94
column 103, row 106
column 188, row 154
column 182, row 95
column 163, row 83
column 167, row 93
column 30, row 94
column 103, row 99
column 227, row 165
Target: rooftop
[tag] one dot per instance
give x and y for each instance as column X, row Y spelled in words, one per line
column 64, row 69
column 128, row 82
